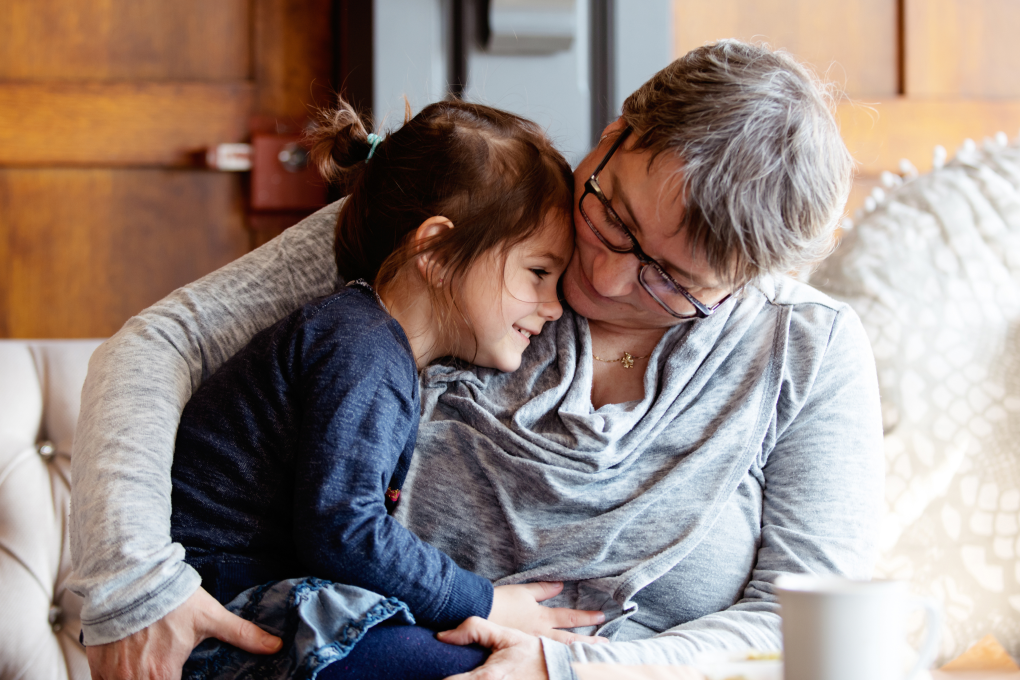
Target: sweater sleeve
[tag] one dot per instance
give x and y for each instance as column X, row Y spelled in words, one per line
column 359, row 409
column 124, row 563
column 824, row 480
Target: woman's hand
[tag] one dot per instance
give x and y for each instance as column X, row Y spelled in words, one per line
column 159, row 651
column 518, row 607
column 514, row 654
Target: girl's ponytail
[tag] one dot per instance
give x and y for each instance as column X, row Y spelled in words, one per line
column 338, row 145
column 491, row 173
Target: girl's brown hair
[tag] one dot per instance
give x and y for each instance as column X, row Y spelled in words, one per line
column 491, row 173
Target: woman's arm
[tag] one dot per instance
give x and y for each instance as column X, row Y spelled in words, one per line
column 821, row 505
column 125, row 565
column 821, row 502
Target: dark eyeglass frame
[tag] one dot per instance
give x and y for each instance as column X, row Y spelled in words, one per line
column 701, row 311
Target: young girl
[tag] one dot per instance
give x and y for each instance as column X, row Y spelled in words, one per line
column 455, row 230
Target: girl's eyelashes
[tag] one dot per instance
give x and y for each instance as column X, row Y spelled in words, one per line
column 539, row 272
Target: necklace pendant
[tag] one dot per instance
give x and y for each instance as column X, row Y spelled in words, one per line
column 627, row 360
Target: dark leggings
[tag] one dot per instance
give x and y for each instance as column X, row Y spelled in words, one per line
column 402, row 652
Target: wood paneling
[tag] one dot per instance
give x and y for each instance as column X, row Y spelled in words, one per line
column 141, row 123
column 83, row 250
column 852, row 43
column 6, row 280
column 962, row 48
column 125, row 39
column 293, row 56
column 880, row 135
column 105, row 106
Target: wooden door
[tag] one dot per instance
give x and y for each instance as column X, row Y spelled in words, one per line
column 105, row 109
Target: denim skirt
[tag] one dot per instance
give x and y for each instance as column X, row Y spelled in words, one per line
column 319, row 622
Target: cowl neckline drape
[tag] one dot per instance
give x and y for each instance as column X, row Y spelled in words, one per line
column 619, row 495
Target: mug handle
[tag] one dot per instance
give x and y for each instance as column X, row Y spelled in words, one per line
column 933, row 626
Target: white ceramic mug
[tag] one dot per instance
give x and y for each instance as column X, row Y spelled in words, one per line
column 838, row 629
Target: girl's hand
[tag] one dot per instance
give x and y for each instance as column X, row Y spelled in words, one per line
column 518, row 607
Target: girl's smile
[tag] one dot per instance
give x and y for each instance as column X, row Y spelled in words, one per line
column 506, row 299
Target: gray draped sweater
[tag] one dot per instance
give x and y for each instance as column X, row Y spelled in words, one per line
column 756, row 450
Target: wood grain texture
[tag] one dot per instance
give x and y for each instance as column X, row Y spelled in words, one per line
column 293, row 50
column 125, row 39
column 880, row 135
column 118, row 123
column 5, row 260
column 962, row 48
column 104, row 107
column 853, row 42
column 83, row 250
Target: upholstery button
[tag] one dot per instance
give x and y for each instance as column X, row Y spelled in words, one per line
column 56, row 617
column 46, row 450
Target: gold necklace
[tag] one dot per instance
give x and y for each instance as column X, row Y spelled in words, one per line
column 627, row 360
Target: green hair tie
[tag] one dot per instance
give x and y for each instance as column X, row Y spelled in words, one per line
column 374, row 140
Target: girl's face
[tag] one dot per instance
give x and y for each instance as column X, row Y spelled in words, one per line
column 506, row 301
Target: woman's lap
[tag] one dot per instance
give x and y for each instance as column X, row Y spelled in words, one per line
column 403, row 652
column 334, row 631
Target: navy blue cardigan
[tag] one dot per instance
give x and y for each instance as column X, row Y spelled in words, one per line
column 285, row 454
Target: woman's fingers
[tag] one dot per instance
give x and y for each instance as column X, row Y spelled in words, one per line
column 514, row 654
column 213, row 620
column 561, row 617
column 159, row 651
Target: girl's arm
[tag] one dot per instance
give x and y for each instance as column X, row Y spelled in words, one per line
column 359, row 411
column 125, row 565
column 359, row 407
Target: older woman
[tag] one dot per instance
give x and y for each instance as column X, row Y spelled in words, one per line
column 696, row 424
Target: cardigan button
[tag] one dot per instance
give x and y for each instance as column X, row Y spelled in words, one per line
column 56, row 617
column 46, row 450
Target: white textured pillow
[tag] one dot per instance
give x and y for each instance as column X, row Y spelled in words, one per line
column 934, row 273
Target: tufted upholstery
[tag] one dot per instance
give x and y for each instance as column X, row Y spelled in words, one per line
column 40, row 394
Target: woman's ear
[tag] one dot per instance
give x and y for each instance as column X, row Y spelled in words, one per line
column 434, row 226
column 618, row 125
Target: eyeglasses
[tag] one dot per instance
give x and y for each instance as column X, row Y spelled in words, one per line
column 610, row 229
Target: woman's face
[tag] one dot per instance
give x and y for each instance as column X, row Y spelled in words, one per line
column 603, row 285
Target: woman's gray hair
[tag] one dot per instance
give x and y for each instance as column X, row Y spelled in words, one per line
column 765, row 172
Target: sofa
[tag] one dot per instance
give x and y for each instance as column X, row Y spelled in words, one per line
column 932, row 268
column 40, row 394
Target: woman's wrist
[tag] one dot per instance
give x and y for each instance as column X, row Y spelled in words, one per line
column 557, row 660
